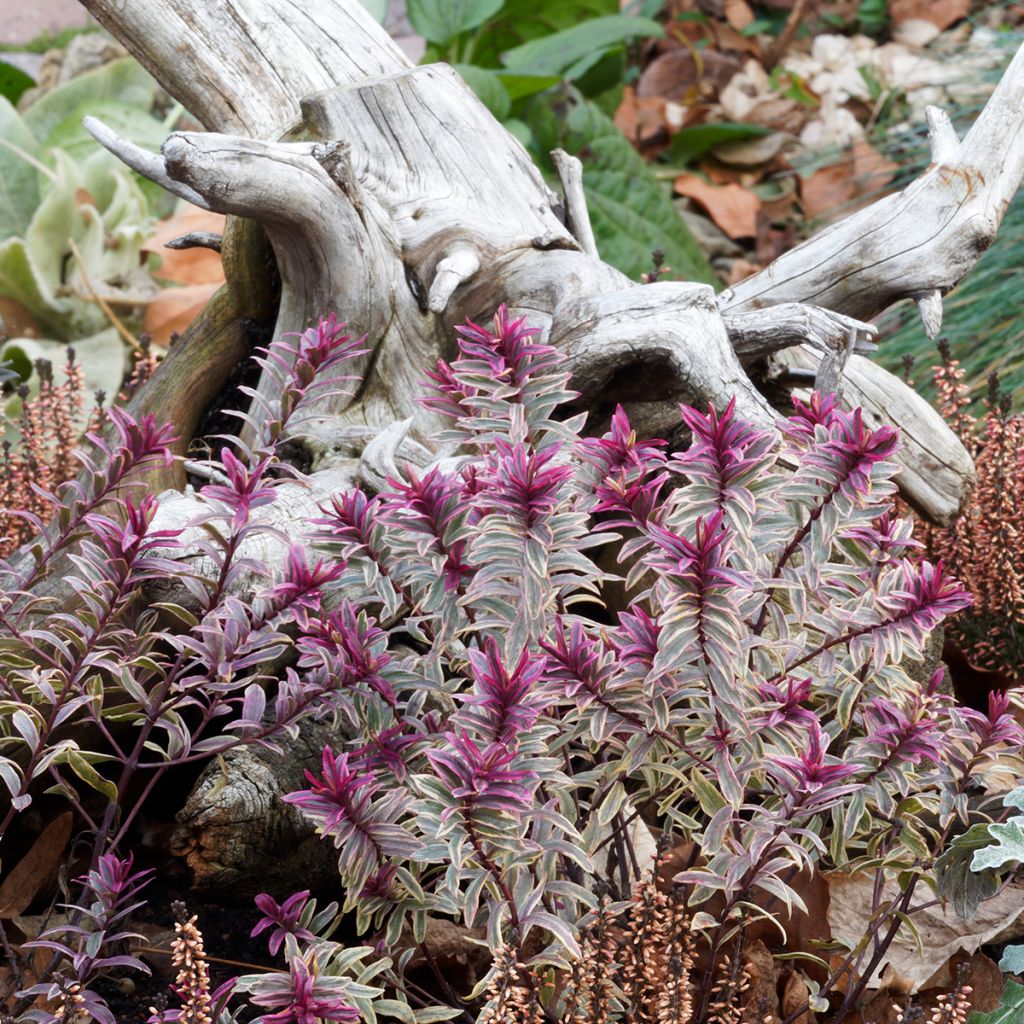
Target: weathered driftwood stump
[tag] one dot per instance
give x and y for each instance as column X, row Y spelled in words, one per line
column 390, row 195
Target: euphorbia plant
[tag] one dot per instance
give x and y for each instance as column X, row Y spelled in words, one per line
column 520, row 739
column 752, row 699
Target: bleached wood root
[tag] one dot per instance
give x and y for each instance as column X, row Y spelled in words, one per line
column 238, row 836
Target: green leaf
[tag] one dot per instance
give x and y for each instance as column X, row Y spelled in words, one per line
column 92, row 778
column 519, row 86
column 13, row 82
column 520, row 21
column 630, row 212
column 489, row 89
column 693, row 142
column 123, row 81
column 21, row 280
column 1009, row 1011
column 707, row 796
column 575, row 50
column 19, row 179
column 102, row 357
column 435, row 1014
column 439, row 21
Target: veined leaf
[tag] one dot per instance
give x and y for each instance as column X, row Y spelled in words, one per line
column 631, row 214
column 439, row 21
column 576, row 48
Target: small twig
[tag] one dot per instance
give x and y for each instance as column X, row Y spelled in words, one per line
column 197, row 240
column 127, row 335
column 796, row 16
column 213, row 960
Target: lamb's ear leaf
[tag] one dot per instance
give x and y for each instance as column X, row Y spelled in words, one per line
column 20, row 193
column 123, row 81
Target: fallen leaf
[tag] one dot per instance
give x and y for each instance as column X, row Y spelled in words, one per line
column 862, row 173
column 941, row 13
column 740, row 270
column 751, row 152
column 174, row 309
column 760, row 1001
column 687, row 76
column 36, row 869
column 828, row 189
column 795, row 994
column 738, row 14
column 977, row 971
column 187, row 266
column 32, row 965
column 732, row 207
column 642, row 119
column 941, row 930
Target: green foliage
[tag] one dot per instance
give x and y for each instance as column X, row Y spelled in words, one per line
column 574, row 51
column 690, row 143
column 549, row 72
column 630, row 213
column 440, row 21
column 121, row 81
column 60, row 192
column 13, row 82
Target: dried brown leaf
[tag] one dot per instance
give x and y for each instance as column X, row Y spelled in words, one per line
column 37, row 869
column 187, row 266
column 732, row 207
column 174, row 309
column 738, row 14
column 941, row 13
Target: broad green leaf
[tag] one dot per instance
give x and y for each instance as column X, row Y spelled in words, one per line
column 519, row 86
column 693, row 142
column 1009, row 1011
column 965, row 888
column 520, row 21
column 19, row 179
column 13, row 82
column 123, row 81
column 578, row 48
column 439, row 21
column 489, row 88
column 630, row 212
column 102, row 356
